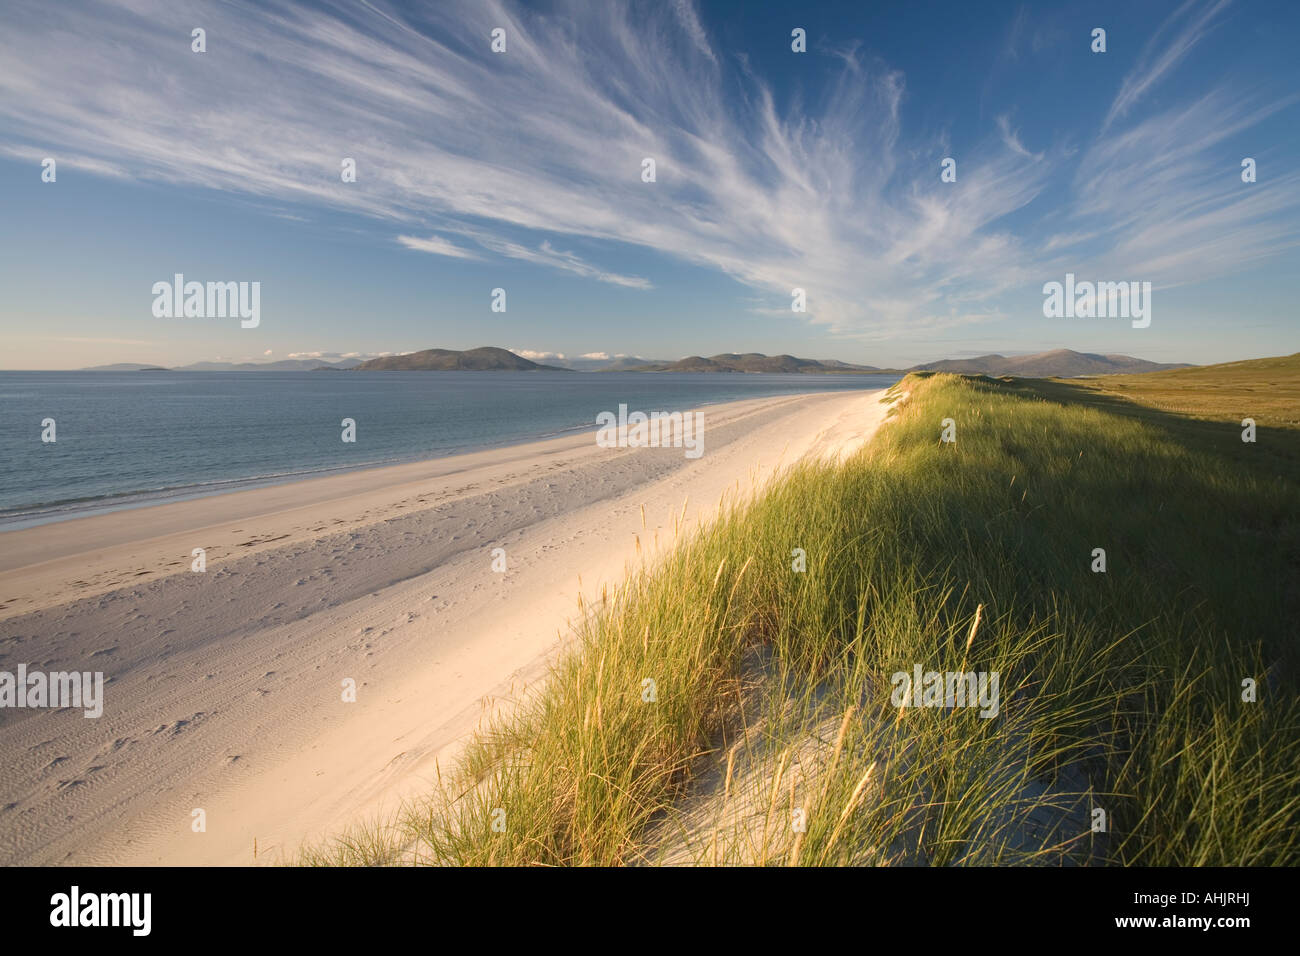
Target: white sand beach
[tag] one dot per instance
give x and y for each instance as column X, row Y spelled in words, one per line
column 224, row 689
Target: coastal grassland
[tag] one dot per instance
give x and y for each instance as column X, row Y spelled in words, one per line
column 772, row 738
column 1267, row 390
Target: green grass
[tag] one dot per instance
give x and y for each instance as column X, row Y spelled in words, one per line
column 1120, row 691
column 1267, row 390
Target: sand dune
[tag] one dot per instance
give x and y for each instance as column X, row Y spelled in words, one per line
column 223, row 688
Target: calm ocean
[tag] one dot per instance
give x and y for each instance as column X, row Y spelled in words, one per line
column 129, row 438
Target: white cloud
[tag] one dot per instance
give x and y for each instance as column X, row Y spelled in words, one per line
column 1011, row 139
column 536, row 155
column 1161, row 206
column 437, row 246
column 546, row 254
column 1159, row 57
column 88, row 164
column 685, row 13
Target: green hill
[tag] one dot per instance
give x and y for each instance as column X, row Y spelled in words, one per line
column 755, row 362
column 486, row 359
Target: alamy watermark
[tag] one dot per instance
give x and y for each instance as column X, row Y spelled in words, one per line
column 947, row 689
column 1098, row 300
column 75, row 908
column 179, row 299
column 55, row 689
column 656, row 430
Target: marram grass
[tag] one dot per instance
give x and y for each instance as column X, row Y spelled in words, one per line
column 771, row 737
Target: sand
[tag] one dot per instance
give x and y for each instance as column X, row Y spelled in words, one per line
column 224, row 689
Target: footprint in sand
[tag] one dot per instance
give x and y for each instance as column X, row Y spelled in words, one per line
column 178, row 726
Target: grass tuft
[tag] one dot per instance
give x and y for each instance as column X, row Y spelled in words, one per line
column 768, row 734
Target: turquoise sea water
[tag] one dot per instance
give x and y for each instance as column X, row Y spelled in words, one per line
column 129, row 438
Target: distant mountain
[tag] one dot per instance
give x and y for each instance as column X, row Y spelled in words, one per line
column 1058, row 363
column 621, row 364
column 755, row 362
column 485, row 359
column 626, row 364
column 1276, row 376
column 283, row 365
column 121, row 367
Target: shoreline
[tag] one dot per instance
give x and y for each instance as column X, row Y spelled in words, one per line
column 222, row 689
column 134, row 500
column 23, row 516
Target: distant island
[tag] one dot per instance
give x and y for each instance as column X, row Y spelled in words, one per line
column 122, row 367
column 283, row 365
column 486, row 359
column 495, row 359
column 757, row 362
column 1058, row 363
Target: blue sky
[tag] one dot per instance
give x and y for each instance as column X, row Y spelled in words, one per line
column 522, row 170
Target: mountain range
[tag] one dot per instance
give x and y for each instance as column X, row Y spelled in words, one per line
column 1058, row 363
column 487, row 359
column 754, row 362
column 283, row 365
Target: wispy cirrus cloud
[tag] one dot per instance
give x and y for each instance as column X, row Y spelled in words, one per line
column 1168, row 47
column 437, row 246
column 1158, row 201
column 544, row 254
column 1011, row 139
column 533, row 154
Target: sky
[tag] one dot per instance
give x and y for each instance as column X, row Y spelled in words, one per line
column 522, row 170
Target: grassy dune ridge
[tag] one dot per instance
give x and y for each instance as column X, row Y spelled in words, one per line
column 772, row 738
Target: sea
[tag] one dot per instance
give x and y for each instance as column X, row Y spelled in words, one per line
column 128, row 439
